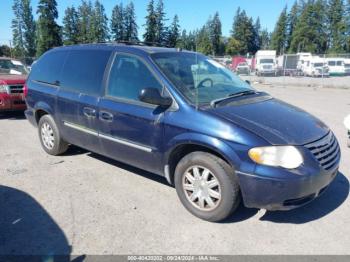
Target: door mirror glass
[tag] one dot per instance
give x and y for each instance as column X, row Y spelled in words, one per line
column 153, row 96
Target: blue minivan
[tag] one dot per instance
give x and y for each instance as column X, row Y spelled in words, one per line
column 182, row 115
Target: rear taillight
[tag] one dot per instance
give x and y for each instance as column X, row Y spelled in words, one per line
column 25, row 90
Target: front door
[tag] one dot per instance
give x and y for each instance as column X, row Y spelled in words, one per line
column 131, row 131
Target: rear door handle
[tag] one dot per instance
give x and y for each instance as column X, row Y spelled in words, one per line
column 106, row 117
column 89, row 112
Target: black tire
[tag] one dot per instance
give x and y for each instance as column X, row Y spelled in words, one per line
column 226, row 177
column 349, row 142
column 59, row 145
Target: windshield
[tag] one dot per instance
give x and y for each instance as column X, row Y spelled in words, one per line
column 12, row 67
column 266, row 61
column 199, row 78
column 347, row 65
column 318, row 64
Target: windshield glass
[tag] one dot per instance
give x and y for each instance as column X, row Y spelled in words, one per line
column 12, row 67
column 347, row 65
column 199, row 78
column 318, row 64
column 266, row 61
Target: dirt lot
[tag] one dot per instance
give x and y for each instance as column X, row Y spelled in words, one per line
column 87, row 204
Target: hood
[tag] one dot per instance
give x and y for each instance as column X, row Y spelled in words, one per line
column 275, row 121
column 12, row 79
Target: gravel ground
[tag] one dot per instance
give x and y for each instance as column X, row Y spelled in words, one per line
column 82, row 203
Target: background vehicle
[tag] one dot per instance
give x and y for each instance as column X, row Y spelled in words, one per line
column 336, row 66
column 315, row 67
column 347, row 66
column 243, row 69
column 265, row 62
column 186, row 117
column 287, row 65
column 13, row 75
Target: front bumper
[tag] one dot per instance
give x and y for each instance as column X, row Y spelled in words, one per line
column 281, row 194
column 12, row 102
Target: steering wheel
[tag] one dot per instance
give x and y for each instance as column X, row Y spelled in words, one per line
column 205, row 80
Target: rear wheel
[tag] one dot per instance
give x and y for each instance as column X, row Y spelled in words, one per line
column 207, row 186
column 50, row 138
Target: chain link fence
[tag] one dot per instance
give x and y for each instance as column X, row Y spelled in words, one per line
column 302, row 69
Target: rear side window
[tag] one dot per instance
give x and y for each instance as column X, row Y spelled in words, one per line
column 128, row 76
column 84, row 69
column 48, row 68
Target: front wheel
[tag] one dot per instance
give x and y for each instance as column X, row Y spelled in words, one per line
column 49, row 136
column 207, row 186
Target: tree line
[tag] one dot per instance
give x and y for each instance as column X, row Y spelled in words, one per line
column 317, row 26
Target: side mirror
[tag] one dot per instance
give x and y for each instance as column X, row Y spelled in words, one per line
column 248, row 82
column 153, row 96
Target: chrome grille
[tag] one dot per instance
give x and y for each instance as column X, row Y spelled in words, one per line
column 16, row 89
column 326, row 151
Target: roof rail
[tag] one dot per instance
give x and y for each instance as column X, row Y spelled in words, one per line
column 136, row 42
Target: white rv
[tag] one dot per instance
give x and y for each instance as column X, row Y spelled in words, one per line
column 347, row 66
column 266, row 62
column 336, row 66
column 315, row 66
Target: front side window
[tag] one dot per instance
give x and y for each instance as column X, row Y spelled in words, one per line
column 128, row 76
column 199, row 78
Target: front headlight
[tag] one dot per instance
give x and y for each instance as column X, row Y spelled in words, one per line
column 3, row 88
column 283, row 156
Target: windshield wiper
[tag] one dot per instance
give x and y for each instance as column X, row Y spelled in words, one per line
column 233, row 95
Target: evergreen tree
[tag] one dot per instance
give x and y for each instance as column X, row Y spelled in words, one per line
column 243, row 32
column 174, row 32
column 233, row 47
column 293, row 18
column 337, row 26
column 151, row 24
column 99, row 23
column 130, row 23
column 257, row 34
column 48, row 30
column 17, row 29
column 85, row 12
column 29, row 29
column 70, row 26
column 161, row 29
column 203, row 43
column 264, row 39
column 117, row 23
column 347, row 23
column 215, row 34
column 279, row 35
column 309, row 34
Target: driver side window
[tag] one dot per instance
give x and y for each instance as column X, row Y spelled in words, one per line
column 128, row 76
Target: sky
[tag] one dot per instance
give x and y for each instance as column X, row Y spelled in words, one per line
column 192, row 13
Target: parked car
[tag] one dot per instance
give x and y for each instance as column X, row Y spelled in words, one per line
column 347, row 125
column 13, row 75
column 243, row 69
column 183, row 116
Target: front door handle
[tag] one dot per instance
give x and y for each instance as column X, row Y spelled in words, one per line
column 105, row 116
column 89, row 112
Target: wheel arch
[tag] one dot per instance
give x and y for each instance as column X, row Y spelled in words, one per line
column 41, row 109
column 184, row 146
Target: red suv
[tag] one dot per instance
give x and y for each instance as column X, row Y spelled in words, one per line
column 13, row 75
